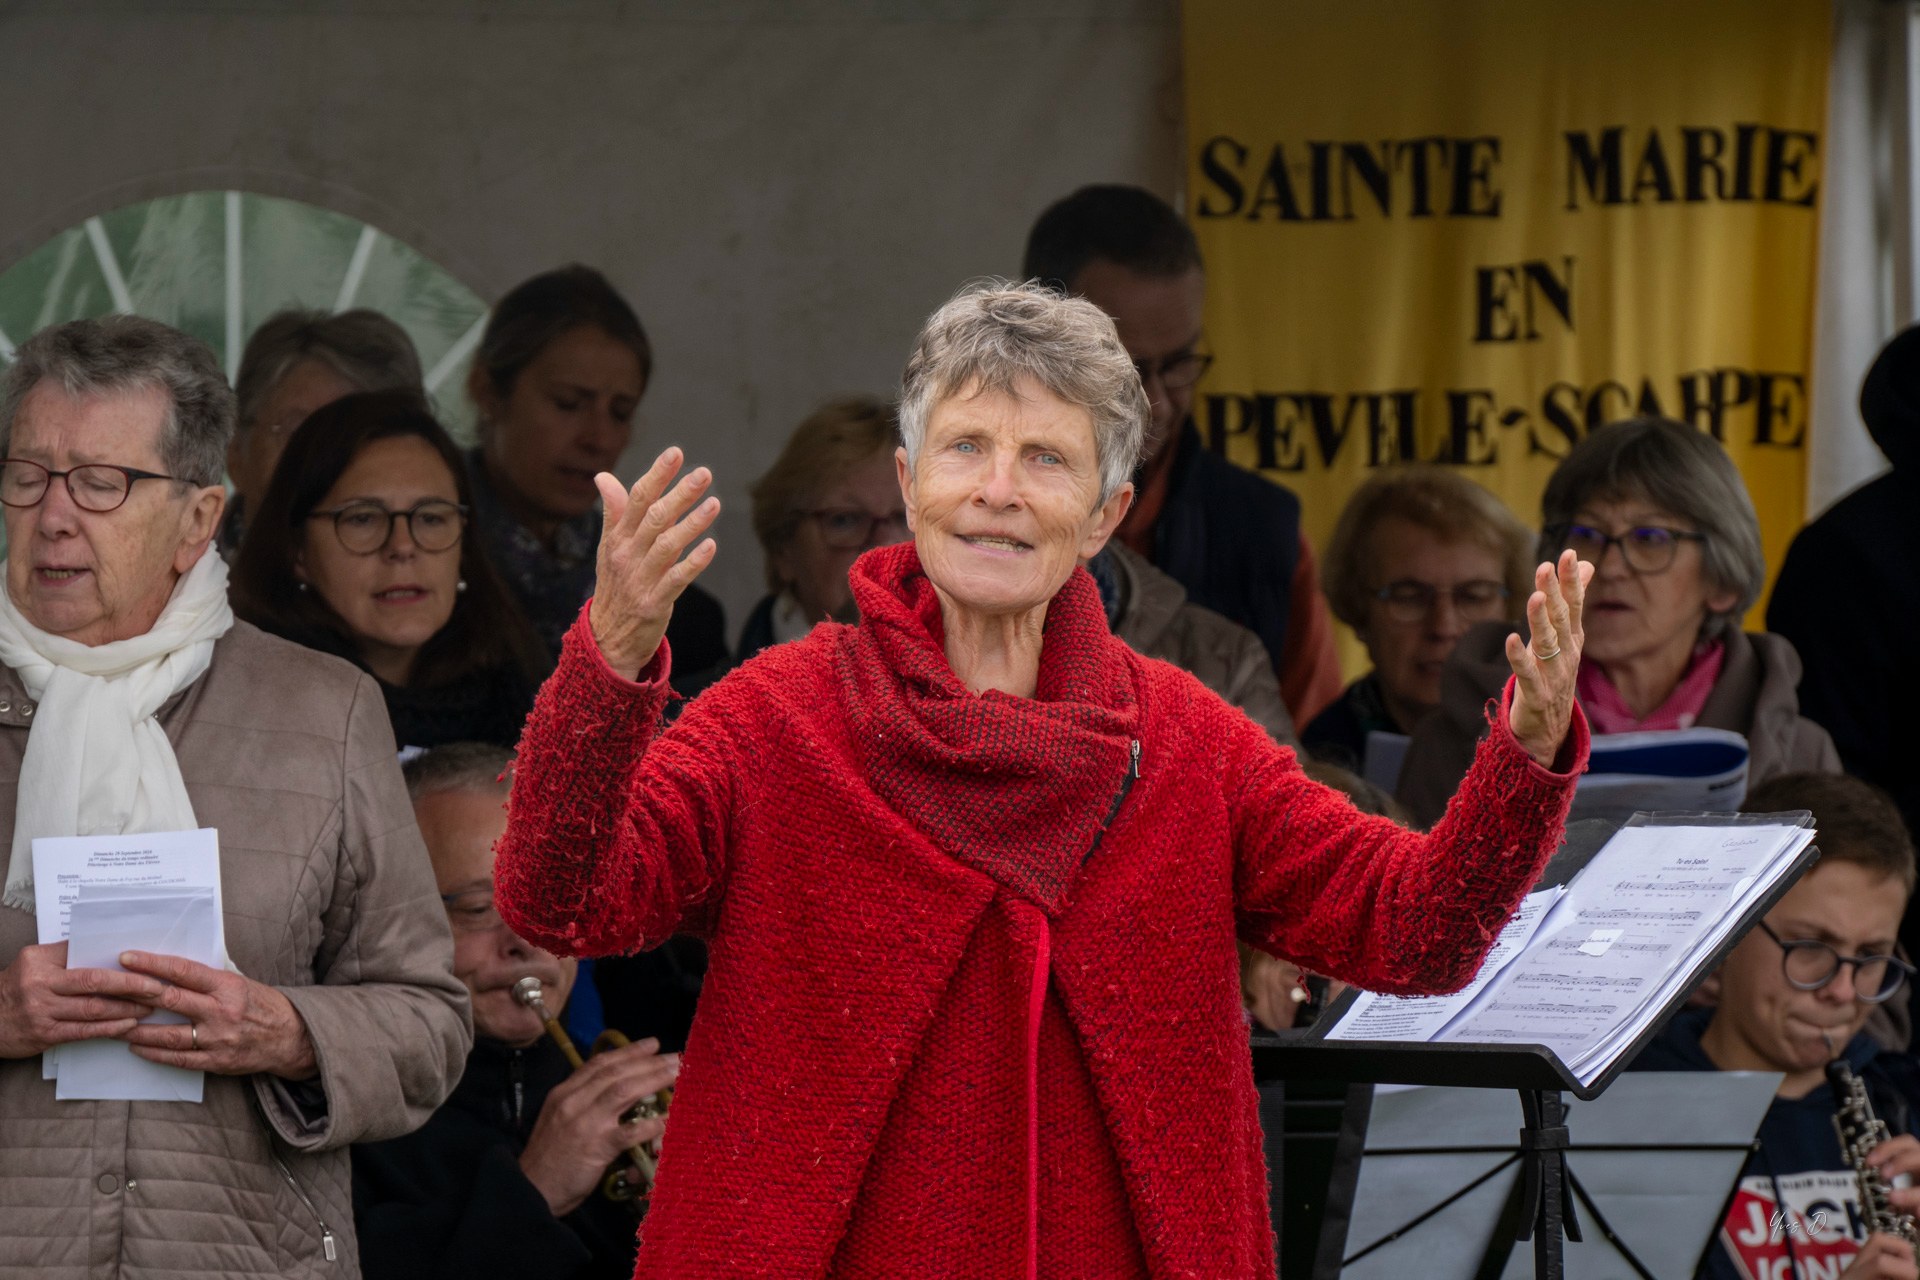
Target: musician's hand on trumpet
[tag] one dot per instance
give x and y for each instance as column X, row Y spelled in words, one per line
column 579, row 1131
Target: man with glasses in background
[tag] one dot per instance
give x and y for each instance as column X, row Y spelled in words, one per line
column 1795, row 994
column 1229, row 536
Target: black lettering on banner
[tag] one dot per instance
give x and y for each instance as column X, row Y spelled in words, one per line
column 1780, row 401
column 1391, row 419
column 1278, row 440
column 1473, row 163
column 1223, row 177
column 1290, row 429
column 1412, row 155
column 1768, row 164
column 1652, row 173
column 1320, row 157
column 1275, row 190
column 1743, row 136
column 1469, row 414
column 1707, row 394
column 1358, row 160
column 1702, row 149
column 1560, row 407
column 1788, row 150
column 1494, row 289
column 1598, row 165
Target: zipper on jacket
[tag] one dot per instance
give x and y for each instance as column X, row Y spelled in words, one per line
column 1126, row 785
column 326, row 1232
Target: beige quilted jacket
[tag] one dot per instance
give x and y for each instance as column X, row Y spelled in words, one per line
column 1157, row 619
column 328, row 896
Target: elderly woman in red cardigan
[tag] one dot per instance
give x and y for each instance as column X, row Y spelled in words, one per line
column 971, row 871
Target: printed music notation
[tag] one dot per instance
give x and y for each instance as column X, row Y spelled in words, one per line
column 1585, row 968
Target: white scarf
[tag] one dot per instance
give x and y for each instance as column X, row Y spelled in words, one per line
column 97, row 761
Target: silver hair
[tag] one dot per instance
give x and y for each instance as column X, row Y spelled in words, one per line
column 1683, row 472
column 459, row 766
column 364, row 347
column 995, row 335
column 131, row 353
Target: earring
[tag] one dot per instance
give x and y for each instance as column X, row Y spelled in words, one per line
column 301, row 586
column 460, row 585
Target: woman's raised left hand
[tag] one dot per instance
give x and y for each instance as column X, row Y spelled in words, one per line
column 235, row 1026
column 1549, row 664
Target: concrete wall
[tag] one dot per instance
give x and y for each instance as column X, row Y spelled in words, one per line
column 783, row 189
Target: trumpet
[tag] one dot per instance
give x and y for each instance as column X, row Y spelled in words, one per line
column 624, row 1181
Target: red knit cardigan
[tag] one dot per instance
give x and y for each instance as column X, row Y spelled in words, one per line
column 973, row 1002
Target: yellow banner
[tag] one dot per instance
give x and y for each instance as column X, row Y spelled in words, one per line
column 1470, row 231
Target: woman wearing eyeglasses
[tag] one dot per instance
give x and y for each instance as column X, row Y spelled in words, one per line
column 830, row 495
column 1661, row 512
column 1420, row 555
column 360, row 548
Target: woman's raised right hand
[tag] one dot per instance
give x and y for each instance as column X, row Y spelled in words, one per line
column 641, row 571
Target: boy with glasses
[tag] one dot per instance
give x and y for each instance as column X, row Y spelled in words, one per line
column 1794, row 995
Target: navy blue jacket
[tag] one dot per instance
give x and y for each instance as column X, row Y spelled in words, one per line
column 1231, row 538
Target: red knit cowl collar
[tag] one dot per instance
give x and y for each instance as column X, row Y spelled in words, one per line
column 1017, row 788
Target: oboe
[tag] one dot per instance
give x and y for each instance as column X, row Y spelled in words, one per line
column 1860, row 1131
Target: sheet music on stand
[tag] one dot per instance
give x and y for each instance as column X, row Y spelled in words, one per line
column 1588, row 968
column 1632, row 920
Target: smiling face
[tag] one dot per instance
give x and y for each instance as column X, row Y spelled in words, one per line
column 1645, row 617
column 1159, row 318
column 1004, row 500
column 1408, row 656
column 395, row 599
column 98, row 576
column 568, row 416
column 1765, row 1023
column 460, row 829
column 815, row 561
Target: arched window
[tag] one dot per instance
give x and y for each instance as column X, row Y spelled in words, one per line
column 217, row 263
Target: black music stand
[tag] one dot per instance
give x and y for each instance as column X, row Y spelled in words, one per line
column 1544, row 1212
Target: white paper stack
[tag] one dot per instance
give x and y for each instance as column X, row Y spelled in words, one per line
column 157, row 892
column 1613, row 953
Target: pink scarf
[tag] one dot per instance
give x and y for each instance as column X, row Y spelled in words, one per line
column 1608, row 712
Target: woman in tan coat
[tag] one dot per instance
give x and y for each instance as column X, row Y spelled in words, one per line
column 131, row 701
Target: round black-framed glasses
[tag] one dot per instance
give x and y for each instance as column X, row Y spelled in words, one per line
column 434, row 524
column 1810, row 965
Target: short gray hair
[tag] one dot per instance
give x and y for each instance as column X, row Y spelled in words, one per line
column 131, row 353
column 364, row 347
column 993, row 335
column 1680, row 470
column 459, row 766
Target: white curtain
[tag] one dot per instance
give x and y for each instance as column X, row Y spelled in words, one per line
column 1869, row 281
